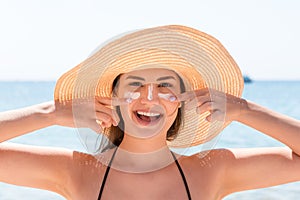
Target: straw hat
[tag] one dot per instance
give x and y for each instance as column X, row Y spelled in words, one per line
column 200, row 60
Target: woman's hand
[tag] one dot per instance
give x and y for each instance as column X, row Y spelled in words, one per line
column 221, row 106
column 96, row 113
column 228, row 107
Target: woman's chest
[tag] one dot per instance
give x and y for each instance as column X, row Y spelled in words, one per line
column 168, row 183
column 145, row 186
column 165, row 185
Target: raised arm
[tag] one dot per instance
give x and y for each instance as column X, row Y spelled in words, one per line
column 24, row 165
column 45, row 167
column 264, row 167
column 20, row 121
column 252, row 168
column 224, row 106
column 88, row 113
column 279, row 126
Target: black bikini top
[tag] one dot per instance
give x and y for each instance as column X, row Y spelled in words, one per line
column 177, row 164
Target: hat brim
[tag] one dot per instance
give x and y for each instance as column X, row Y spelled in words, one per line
column 197, row 57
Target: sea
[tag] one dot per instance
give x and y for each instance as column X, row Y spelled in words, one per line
column 281, row 96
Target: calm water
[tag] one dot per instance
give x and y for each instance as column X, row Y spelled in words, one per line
column 283, row 97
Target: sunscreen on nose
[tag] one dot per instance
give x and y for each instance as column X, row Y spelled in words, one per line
column 167, row 96
column 150, row 92
column 129, row 96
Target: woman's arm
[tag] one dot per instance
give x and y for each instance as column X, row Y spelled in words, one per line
column 264, row 167
column 81, row 113
column 38, row 167
column 45, row 167
column 18, row 122
column 281, row 127
column 230, row 108
column 252, row 168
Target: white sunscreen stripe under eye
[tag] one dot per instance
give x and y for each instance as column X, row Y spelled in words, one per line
column 132, row 96
column 150, row 92
column 169, row 97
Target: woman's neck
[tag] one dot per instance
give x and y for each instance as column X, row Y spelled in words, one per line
column 143, row 145
column 136, row 155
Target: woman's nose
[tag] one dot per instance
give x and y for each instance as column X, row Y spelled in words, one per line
column 150, row 94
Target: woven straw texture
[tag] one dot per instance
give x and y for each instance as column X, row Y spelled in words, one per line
column 197, row 57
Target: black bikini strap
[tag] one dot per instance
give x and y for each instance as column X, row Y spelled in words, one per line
column 177, row 163
column 106, row 174
column 183, row 177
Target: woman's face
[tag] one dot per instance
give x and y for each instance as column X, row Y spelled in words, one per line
column 152, row 104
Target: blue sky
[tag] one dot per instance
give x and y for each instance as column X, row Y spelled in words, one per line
column 40, row 40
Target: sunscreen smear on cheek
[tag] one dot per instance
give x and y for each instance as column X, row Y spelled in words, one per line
column 167, row 96
column 129, row 96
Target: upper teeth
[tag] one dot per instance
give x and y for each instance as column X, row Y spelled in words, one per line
column 148, row 114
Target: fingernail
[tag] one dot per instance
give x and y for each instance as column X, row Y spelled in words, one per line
column 116, row 121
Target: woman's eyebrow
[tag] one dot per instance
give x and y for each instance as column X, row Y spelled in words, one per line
column 135, row 77
column 165, row 78
column 142, row 79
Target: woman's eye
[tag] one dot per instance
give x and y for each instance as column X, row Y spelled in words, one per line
column 165, row 85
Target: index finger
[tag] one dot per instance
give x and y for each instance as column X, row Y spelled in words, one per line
column 185, row 96
column 112, row 101
column 189, row 95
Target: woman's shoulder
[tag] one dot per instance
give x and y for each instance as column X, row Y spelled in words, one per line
column 209, row 166
column 87, row 161
column 211, row 158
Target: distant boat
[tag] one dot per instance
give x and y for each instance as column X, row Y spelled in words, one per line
column 247, row 79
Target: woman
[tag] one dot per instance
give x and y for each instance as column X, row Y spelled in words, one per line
column 145, row 93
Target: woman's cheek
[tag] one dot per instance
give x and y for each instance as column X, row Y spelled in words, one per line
column 171, row 107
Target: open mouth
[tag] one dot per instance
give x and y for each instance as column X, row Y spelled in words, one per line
column 146, row 118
